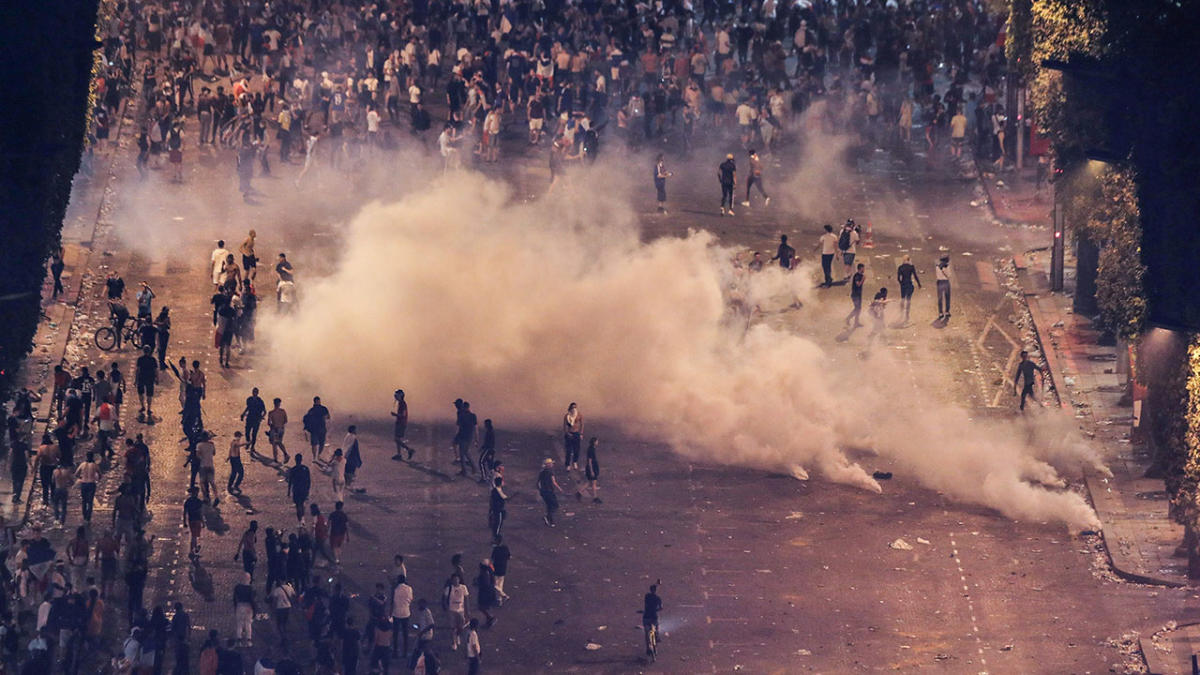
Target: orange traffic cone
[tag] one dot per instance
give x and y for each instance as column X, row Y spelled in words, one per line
column 869, row 239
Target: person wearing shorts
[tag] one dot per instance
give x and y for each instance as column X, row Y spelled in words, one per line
column 145, row 374
column 276, row 424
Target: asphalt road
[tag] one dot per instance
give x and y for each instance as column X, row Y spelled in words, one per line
column 760, row 572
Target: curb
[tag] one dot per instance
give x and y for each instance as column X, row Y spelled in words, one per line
column 1146, row 645
column 1049, row 352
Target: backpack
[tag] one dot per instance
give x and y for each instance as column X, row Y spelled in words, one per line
column 844, row 240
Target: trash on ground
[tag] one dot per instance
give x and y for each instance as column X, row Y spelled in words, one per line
column 901, row 545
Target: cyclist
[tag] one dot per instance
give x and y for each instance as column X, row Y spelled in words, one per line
column 650, row 609
column 118, row 314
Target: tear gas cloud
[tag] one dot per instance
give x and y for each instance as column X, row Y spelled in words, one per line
column 459, row 290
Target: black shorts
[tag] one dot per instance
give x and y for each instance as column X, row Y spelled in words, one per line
column 145, row 388
column 249, row 262
column 906, row 290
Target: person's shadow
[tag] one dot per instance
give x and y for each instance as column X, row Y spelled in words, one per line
column 201, row 580
column 847, row 331
column 939, row 322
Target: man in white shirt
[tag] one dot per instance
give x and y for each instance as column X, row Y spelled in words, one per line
column 456, row 602
column 402, row 597
column 473, row 648
column 281, row 601
column 218, row 262
column 827, row 244
column 372, row 127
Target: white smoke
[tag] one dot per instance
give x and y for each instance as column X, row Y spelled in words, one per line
column 456, row 290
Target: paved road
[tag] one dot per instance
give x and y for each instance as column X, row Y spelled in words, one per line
column 760, row 572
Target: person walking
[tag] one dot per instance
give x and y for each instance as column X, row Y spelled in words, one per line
column 299, row 481
column 316, row 422
column 591, row 470
column 63, row 478
column 145, row 375
column 281, row 598
column 277, row 421
column 253, row 415
column 500, row 558
column 468, row 425
column 248, row 549
column 205, row 459
column 942, row 274
column 162, row 327
column 660, row 182
column 243, row 611
column 572, row 436
column 401, row 611
column 1025, row 370
column 237, row 471
column 727, row 177
column 906, row 274
column 88, row 474
column 401, row 427
column 827, row 244
column 337, row 475
column 473, row 649
column 487, row 453
column 856, row 291
column 497, row 506
column 456, row 603
column 754, row 179
column 193, row 519
column 339, row 531
column 848, row 245
column 548, row 488
column 785, row 254
column 485, row 590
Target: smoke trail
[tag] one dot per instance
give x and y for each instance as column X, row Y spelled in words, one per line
column 457, row 291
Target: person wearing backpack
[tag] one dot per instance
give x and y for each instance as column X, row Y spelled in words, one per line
column 848, row 245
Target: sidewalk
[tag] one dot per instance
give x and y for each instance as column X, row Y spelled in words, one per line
column 1139, row 537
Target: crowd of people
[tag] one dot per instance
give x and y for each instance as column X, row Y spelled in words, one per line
column 337, row 83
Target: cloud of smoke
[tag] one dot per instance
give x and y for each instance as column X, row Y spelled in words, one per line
column 457, row 290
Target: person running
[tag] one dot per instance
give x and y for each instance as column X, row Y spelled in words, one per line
column 237, row 471
column 1026, row 369
column 727, row 177
column 856, row 291
column 906, row 274
column 145, row 375
column 942, row 274
column 497, row 506
column 193, row 519
column 339, row 531
column 401, row 427
column 754, row 179
column 277, row 421
column 651, row 606
column 299, row 481
column 660, row 182
column 315, row 426
column 548, row 488
column 785, row 254
column 572, row 436
column 827, row 244
column 253, row 415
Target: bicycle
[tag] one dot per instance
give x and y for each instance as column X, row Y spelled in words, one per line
column 106, row 337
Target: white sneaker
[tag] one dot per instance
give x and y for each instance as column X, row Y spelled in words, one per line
column 722, row 210
column 767, row 201
column 745, row 203
column 731, row 212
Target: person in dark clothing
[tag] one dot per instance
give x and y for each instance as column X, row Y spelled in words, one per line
column 785, row 254
column 315, row 425
column 906, row 274
column 856, row 291
column 350, row 647
column 56, row 270
column 500, row 557
column 651, row 606
column 467, row 425
column 1026, row 369
column 299, row 482
column 548, row 488
column 497, row 506
column 253, row 415
column 727, row 176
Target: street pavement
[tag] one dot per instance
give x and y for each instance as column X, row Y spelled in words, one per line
column 760, row 572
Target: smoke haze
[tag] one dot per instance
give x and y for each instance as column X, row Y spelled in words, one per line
column 459, row 290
